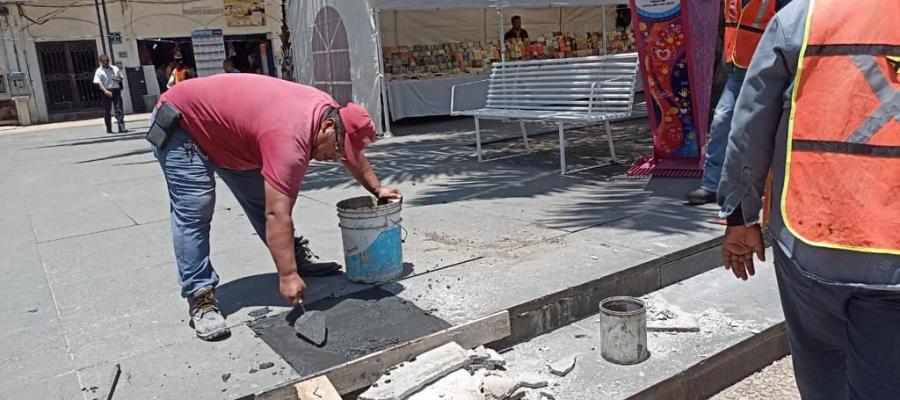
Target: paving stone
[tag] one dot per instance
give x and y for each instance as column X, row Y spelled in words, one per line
column 413, row 376
column 194, row 369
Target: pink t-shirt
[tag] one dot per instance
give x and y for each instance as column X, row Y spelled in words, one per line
column 246, row 121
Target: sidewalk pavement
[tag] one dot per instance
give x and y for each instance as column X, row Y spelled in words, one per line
column 774, row 382
column 89, row 280
column 129, row 121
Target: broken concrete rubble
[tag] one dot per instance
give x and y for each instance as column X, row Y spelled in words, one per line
column 681, row 323
column 496, row 387
column 563, row 366
column 482, row 376
column 459, row 385
column 425, row 369
column 532, row 382
column 484, row 358
column 665, row 317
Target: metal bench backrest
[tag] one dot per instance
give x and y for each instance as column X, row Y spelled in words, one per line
column 565, row 84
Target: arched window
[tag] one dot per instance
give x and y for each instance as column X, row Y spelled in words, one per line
column 331, row 56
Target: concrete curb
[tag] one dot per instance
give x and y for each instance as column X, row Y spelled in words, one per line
column 725, row 368
column 550, row 312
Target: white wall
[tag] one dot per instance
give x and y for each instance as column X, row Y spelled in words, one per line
column 135, row 21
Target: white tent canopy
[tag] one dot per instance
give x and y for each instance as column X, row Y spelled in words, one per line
column 482, row 4
column 409, row 22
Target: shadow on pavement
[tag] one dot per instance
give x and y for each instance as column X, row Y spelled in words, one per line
column 120, row 155
column 109, row 138
column 261, row 290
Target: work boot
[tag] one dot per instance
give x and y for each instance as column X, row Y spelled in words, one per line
column 206, row 319
column 308, row 263
column 701, row 196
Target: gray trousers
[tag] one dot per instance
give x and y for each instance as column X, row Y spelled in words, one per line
column 114, row 102
column 845, row 341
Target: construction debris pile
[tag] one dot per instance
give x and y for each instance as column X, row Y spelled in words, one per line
column 450, row 372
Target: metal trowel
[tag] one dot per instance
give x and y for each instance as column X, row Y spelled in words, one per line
column 310, row 326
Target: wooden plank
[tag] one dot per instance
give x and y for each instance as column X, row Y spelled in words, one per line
column 318, row 388
column 362, row 372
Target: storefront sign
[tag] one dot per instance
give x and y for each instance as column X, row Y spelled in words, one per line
column 245, row 12
column 202, row 8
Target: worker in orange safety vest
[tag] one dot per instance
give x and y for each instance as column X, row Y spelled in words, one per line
column 821, row 108
column 745, row 21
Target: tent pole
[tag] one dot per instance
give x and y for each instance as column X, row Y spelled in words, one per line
column 385, row 108
column 484, row 17
column 605, row 39
column 502, row 42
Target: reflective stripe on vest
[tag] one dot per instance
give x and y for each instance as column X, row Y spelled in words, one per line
column 745, row 22
column 842, row 175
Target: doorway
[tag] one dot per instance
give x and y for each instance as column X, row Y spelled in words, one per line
column 68, row 69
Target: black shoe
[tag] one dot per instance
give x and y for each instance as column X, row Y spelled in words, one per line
column 308, row 263
column 701, row 196
column 109, row 129
column 122, row 129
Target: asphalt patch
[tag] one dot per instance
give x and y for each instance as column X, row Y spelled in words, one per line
column 358, row 324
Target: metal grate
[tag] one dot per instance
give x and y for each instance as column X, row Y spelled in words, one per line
column 68, row 69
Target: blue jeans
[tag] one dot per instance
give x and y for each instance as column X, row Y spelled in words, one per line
column 721, row 126
column 192, row 198
column 844, row 339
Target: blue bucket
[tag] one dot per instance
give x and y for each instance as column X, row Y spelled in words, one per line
column 373, row 247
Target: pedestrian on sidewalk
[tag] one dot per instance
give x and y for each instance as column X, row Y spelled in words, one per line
column 108, row 79
column 821, row 108
column 745, row 21
column 179, row 74
column 258, row 134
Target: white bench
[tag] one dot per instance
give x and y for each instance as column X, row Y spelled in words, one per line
column 584, row 89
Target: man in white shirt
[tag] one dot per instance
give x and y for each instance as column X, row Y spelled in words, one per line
column 109, row 79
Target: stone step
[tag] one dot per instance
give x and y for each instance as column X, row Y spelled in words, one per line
column 741, row 330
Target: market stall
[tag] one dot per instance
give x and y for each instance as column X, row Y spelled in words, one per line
column 404, row 56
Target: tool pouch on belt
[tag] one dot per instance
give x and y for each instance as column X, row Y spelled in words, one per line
column 164, row 124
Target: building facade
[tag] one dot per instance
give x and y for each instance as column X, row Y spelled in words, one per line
column 56, row 44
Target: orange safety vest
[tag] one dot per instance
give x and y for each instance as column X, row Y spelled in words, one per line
column 745, row 22
column 842, row 177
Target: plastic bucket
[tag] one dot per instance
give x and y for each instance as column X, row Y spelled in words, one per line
column 623, row 330
column 373, row 247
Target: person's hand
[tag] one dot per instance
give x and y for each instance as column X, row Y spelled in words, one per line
column 741, row 242
column 292, row 288
column 108, row 93
column 388, row 193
